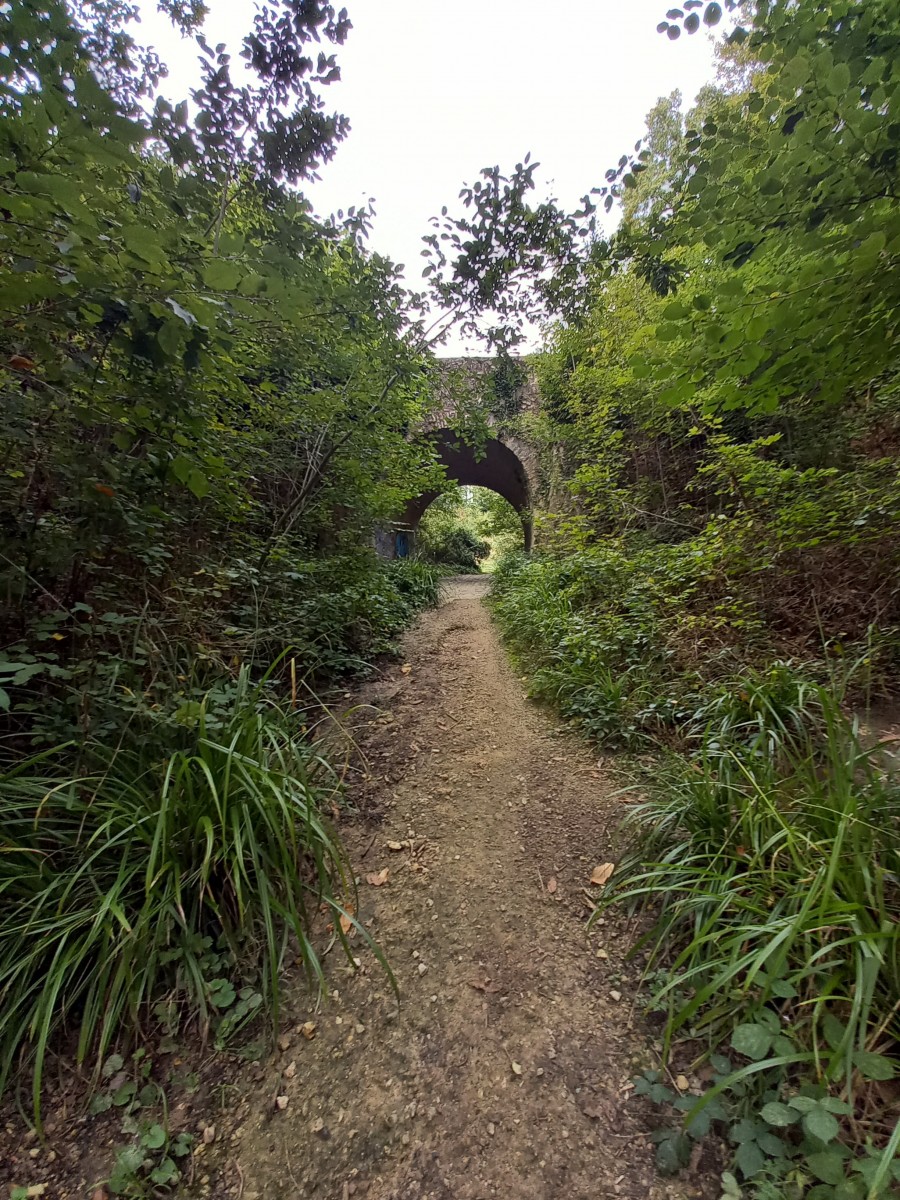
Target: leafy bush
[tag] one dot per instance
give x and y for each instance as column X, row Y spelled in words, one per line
column 768, row 867
column 634, row 638
column 458, row 548
column 117, row 880
column 85, row 671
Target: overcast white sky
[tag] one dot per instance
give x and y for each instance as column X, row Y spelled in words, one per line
column 435, row 91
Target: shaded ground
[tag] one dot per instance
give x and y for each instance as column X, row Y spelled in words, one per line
column 506, row 1069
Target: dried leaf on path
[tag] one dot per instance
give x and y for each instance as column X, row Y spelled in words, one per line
column 602, row 873
column 377, row 878
column 551, row 885
column 346, row 923
column 406, row 668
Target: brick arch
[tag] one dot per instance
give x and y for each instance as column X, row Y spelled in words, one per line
column 495, row 465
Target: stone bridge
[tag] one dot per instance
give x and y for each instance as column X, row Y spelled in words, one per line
column 475, row 401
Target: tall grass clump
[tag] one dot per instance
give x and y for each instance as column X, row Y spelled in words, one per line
column 119, row 878
column 768, row 865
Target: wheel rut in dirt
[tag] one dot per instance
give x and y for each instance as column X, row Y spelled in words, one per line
column 506, row 1068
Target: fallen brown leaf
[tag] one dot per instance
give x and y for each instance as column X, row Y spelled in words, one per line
column 346, row 923
column 601, row 874
column 377, row 878
column 406, row 668
column 551, row 885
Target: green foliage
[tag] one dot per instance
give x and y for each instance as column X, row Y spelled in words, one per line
column 150, row 1161
column 767, row 865
column 505, row 385
column 468, row 529
column 117, row 882
column 206, row 398
column 205, row 393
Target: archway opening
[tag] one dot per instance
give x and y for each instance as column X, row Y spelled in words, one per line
column 468, row 530
column 491, row 465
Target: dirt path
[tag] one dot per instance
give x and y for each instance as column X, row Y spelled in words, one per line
column 506, row 1069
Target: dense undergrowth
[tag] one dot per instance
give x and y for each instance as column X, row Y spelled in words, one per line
column 206, row 399
column 468, row 530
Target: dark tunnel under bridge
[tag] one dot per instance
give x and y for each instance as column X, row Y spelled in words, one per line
column 494, row 465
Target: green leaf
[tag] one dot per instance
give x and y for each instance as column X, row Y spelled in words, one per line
column 783, row 990
column 171, row 337
column 820, row 1123
column 222, row 993
column 839, row 79
column 231, row 243
column 114, row 1063
column 166, row 1172
column 672, row 1153
column 60, row 187
column 730, row 1187
column 222, row 276
column 749, row 1158
column 198, row 483
column 675, row 310
column 874, row 1066
column 803, row 1104
column 143, row 241
column 640, row 368
column 827, row 1166
column 124, row 1094
column 796, row 70
column 154, row 1137
column 744, row 1131
column 778, row 1114
column 181, row 468
column 752, row 1040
